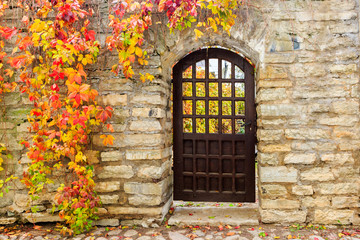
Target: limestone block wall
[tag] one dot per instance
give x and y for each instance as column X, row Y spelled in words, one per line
column 306, row 55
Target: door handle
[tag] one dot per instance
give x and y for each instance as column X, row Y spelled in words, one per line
column 246, row 124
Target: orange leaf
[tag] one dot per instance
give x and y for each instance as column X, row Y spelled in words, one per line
column 230, row 234
column 108, row 139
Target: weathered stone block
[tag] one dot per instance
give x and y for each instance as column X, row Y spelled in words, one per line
column 280, row 58
column 279, row 204
column 147, row 154
column 329, row 216
column 350, row 145
column 302, row 190
column 273, row 72
column 338, row 158
column 307, row 70
column 278, row 174
column 346, row 132
column 6, row 125
column 145, row 126
column 135, row 211
column 107, row 186
column 307, row 133
column 274, row 190
column 7, row 220
column 271, row 94
column 318, row 202
column 109, row 199
column 144, row 200
column 345, row 172
column 113, row 99
column 277, row 110
column 343, row 120
column 147, row 99
column 345, row 202
column 338, row 188
column 142, row 140
column 112, row 156
column 152, row 172
column 269, row 148
column 108, row 222
column 42, row 217
column 343, row 68
column 318, row 108
column 268, row 158
column 147, row 188
column 148, row 112
column 299, row 158
column 319, row 92
column 274, row 83
column 115, row 84
column 269, row 135
column 321, row 174
column 283, row 216
column 122, row 171
column 346, row 107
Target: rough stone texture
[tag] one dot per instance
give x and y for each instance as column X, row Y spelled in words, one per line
column 333, row 216
column 302, row 190
column 307, row 97
column 42, row 217
column 280, row 204
column 278, row 174
column 122, row 171
column 294, row 158
column 283, row 216
column 321, row 174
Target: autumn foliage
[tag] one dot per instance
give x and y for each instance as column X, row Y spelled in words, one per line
column 49, row 63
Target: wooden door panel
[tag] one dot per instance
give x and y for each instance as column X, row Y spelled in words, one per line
column 214, row 127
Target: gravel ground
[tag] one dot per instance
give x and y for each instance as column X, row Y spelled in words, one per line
column 264, row 231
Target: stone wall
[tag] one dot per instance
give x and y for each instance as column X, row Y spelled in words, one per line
column 307, row 94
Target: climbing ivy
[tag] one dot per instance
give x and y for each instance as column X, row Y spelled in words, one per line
column 49, row 62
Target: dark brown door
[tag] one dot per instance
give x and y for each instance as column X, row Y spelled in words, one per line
column 214, row 127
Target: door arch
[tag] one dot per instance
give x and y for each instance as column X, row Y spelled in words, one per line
column 214, row 127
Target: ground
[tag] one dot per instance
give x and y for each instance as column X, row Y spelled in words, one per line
column 263, row 231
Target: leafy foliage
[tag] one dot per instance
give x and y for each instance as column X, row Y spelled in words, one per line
column 50, row 60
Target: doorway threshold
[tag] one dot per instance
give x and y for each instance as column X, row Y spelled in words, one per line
column 214, row 214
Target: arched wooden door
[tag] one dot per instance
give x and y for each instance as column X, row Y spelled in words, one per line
column 214, row 127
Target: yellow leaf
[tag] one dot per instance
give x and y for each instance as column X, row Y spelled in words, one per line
column 198, row 34
column 138, row 51
column 131, row 49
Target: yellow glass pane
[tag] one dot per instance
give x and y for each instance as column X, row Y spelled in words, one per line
column 200, row 89
column 200, row 69
column 213, row 125
column 239, row 108
column 226, row 126
column 187, row 125
column 187, row 89
column 239, row 126
column 239, row 89
column 200, row 107
column 200, row 125
column 214, row 107
column 226, row 89
column 213, row 89
column 226, row 107
column 187, row 73
column 187, row 107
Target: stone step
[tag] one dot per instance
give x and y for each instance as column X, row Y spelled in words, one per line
column 215, row 216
